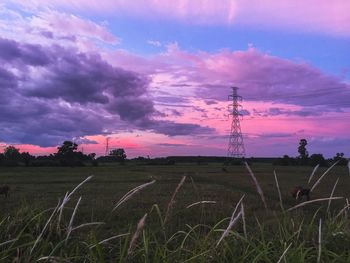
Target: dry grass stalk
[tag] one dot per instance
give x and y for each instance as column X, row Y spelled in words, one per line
column 345, row 208
column 70, row 226
column 88, row 224
column 54, row 259
column 46, row 225
column 201, row 202
column 8, row 242
column 244, row 222
column 109, row 239
column 131, row 193
column 278, row 189
column 330, row 200
column 231, row 224
column 236, row 207
column 319, row 179
column 233, row 219
column 284, row 253
column 67, row 197
column 313, row 173
column 78, row 186
column 314, row 201
column 64, row 201
column 258, row 188
column 140, row 226
column 172, row 200
column 319, row 241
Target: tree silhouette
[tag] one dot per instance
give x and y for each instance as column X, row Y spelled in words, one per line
column 67, row 147
column 67, row 154
column 12, row 153
column 119, row 154
column 303, row 153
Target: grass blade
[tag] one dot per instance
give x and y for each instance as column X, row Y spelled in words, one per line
column 201, row 202
column 172, row 200
column 313, row 173
column 140, row 226
column 231, row 224
column 284, row 253
column 319, row 179
column 314, row 201
column 46, row 225
column 70, row 226
column 131, row 193
column 278, row 189
column 319, row 241
column 330, row 200
column 244, row 222
column 258, row 188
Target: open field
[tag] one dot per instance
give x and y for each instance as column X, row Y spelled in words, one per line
column 36, row 189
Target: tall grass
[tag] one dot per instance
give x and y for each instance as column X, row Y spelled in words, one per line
column 290, row 235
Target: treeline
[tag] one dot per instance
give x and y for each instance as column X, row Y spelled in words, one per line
column 314, row 159
column 67, row 155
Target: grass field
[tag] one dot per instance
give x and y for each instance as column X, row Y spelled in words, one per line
column 189, row 233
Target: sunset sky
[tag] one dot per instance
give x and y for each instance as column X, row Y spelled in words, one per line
column 154, row 75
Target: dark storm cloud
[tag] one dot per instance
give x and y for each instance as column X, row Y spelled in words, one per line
column 173, row 144
column 7, row 79
column 50, row 94
column 85, row 78
column 170, row 99
column 27, row 54
column 275, row 135
column 175, row 129
column 132, row 109
column 210, row 102
column 302, row 113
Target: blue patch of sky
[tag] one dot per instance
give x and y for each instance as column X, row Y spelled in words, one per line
column 330, row 54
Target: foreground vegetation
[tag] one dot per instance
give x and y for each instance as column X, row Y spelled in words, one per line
column 171, row 218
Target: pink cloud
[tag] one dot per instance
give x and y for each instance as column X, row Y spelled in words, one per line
column 321, row 16
column 65, row 24
column 260, row 76
column 51, row 27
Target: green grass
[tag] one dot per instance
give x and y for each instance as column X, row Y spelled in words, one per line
column 190, row 234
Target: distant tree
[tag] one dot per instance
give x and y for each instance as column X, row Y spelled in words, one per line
column 27, row 158
column 92, row 158
column 318, row 158
column 303, row 153
column 119, row 154
column 340, row 158
column 12, row 153
column 67, row 154
column 2, row 158
column 67, row 147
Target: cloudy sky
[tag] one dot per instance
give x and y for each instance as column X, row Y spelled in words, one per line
column 154, row 76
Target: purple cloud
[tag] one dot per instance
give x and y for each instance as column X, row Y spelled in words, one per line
column 59, row 93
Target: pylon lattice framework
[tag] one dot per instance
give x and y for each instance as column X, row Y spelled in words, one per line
column 235, row 145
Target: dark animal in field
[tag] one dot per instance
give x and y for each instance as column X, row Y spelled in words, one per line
column 298, row 193
column 224, row 169
column 4, row 190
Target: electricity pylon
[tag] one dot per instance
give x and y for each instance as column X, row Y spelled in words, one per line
column 235, row 145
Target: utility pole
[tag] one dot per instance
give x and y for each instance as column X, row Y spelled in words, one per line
column 107, row 146
column 235, row 145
